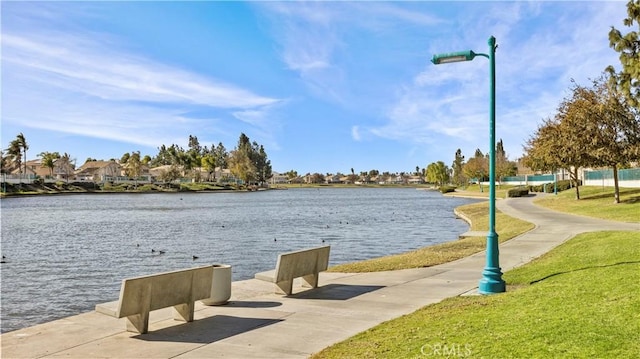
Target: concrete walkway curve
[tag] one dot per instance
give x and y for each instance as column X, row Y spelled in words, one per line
column 260, row 324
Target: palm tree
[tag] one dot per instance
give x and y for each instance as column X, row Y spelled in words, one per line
column 49, row 160
column 22, row 143
column 14, row 155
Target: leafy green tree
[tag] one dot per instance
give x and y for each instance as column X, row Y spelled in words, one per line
column 504, row 167
column 628, row 45
column 457, row 167
column 614, row 136
column 477, row 166
column 162, row 158
column 209, row 165
column 221, row 155
column 146, row 160
column 565, row 140
column 438, row 173
column 49, row 160
column 193, row 157
column 4, row 163
column 194, row 144
column 291, row 174
column 241, row 166
column 133, row 166
column 262, row 163
column 170, row 175
column 125, row 158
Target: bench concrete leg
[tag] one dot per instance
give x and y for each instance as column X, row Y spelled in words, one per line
column 184, row 312
column 310, row 280
column 138, row 323
column 285, row 287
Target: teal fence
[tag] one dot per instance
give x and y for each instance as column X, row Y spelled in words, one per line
column 540, row 178
column 631, row 174
column 514, row 179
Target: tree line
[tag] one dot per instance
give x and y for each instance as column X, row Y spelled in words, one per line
column 475, row 168
column 248, row 161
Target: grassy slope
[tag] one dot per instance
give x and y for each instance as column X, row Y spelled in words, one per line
column 597, row 202
column 507, row 227
column 583, row 303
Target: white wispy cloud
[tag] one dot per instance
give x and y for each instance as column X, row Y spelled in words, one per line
column 355, row 133
column 314, row 38
column 84, row 83
column 449, row 103
column 73, row 63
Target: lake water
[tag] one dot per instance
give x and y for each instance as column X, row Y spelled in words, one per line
column 66, row 253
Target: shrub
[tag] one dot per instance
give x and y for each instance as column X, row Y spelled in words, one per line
column 548, row 187
column 447, row 189
column 566, row 184
column 518, row 192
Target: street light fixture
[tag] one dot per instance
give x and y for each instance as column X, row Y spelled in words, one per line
column 491, row 281
column 454, row 57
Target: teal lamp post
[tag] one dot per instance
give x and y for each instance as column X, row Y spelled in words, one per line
column 491, row 281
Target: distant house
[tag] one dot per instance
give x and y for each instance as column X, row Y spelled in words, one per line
column 98, row 170
column 296, row 180
column 333, row 179
column 156, row 172
column 143, row 170
column 61, row 169
column 34, row 167
column 278, row 178
column 416, row 180
column 396, row 179
column 224, row 175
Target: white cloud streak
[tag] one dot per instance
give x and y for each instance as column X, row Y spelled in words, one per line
column 84, row 84
column 449, row 103
column 312, row 37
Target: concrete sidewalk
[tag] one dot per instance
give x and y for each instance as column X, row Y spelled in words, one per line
column 260, row 324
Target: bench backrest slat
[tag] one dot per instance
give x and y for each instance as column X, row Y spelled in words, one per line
column 164, row 290
column 304, row 262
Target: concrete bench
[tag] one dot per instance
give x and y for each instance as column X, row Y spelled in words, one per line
column 306, row 263
column 178, row 289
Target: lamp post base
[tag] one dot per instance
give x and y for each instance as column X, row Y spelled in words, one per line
column 491, row 282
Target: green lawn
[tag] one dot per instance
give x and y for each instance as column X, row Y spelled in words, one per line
column 597, row 202
column 478, row 213
column 476, row 190
column 578, row 301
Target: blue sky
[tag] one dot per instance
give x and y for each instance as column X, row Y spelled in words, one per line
column 324, row 86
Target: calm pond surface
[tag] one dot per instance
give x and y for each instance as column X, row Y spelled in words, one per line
column 66, row 253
